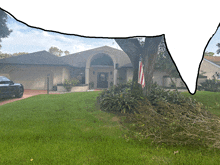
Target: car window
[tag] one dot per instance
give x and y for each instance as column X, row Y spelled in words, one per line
column 4, row 79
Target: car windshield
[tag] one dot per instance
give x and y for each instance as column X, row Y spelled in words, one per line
column 4, row 79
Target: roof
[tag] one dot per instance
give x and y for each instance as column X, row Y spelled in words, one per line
column 36, row 58
column 212, row 63
column 79, row 59
column 214, row 59
column 73, row 60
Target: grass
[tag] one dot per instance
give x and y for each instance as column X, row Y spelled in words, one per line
column 69, row 129
column 210, row 99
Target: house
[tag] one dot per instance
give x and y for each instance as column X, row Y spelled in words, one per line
column 210, row 65
column 96, row 68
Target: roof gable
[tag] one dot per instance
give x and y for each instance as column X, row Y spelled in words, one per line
column 79, row 59
column 214, row 59
column 36, row 58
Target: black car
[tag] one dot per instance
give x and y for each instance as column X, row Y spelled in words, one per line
column 9, row 89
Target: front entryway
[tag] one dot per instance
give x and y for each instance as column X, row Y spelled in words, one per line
column 102, row 80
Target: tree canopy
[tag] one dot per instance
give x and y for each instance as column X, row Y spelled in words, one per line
column 4, row 31
column 218, row 50
column 56, row 51
column 209, row 53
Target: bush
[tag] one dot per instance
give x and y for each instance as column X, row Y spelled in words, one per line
column 163, row 117
column 69, row 84
column 210, row 85
column 119, row 99
column 91, row 85
column 157, row 94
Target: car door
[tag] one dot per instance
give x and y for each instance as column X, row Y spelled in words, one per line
column 5, row 88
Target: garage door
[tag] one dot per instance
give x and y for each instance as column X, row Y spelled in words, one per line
column 32, row 78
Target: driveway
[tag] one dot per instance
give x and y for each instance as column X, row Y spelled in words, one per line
column 27, row 93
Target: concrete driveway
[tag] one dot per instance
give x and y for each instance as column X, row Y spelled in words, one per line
column 27, row 93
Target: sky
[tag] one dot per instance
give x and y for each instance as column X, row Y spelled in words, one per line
column 27, row 39
column 187, row 27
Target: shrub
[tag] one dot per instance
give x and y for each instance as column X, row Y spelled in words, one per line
column 163, row 117
column 210, row 85
column 69, row 84
column 119, row 99
column 91, row 85
column 157, row 94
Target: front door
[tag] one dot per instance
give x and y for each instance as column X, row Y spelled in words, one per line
column 102, row 80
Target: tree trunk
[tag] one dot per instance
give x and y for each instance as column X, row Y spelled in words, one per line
column 150, row 52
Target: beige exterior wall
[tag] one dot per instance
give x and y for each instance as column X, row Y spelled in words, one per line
column 157, row 76
column 35, row 77
column 209, row 68
column 122, row 76
column 93, row 77
column 129, row 74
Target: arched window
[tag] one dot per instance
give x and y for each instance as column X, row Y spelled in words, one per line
column 101, row 59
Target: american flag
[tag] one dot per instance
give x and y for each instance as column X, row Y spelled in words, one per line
column 141, row 79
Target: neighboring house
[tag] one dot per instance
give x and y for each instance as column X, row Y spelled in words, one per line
column 210, row 65
column 103, row 66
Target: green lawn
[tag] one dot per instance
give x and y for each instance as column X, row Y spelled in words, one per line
column 69, row 129
column 210, row 99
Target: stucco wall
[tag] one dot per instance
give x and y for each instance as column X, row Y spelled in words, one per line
column 157, row 76
column 35, row 77
column 122, row 76
column 209, row 68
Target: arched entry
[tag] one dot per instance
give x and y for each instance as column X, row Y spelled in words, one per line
column 100, row 68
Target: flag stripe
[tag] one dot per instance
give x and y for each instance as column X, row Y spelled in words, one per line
column 141, row 79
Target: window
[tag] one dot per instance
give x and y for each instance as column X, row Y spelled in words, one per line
column 111, row 73
column 93, row 72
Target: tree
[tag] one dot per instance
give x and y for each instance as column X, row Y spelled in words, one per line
column 67, row 52
column 55, row 51
column 20, row 53
column 209, row 53
column 147, row 50
column 6, row 55
column 165, row 63
column 218, row 50
column 4, row 31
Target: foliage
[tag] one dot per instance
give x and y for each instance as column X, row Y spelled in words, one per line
column 218, row 50
column 67, row 52
column 158, row 94
column 111, row 84
column 163, row 116
column 56, row 51
column 119, row 99
column 4, row 31
column 212, row 85
column 6, row 55
column 69, row 84
column 209, row 53
column 174, row 124
column 147, row 49
column 91, row 85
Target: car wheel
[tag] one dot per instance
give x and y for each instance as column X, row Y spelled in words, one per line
column 19, row 93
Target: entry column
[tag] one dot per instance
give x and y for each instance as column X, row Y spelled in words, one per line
column 115, row 76
column 87, row 76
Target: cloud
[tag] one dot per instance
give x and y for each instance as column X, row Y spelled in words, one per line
column 188, row 25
